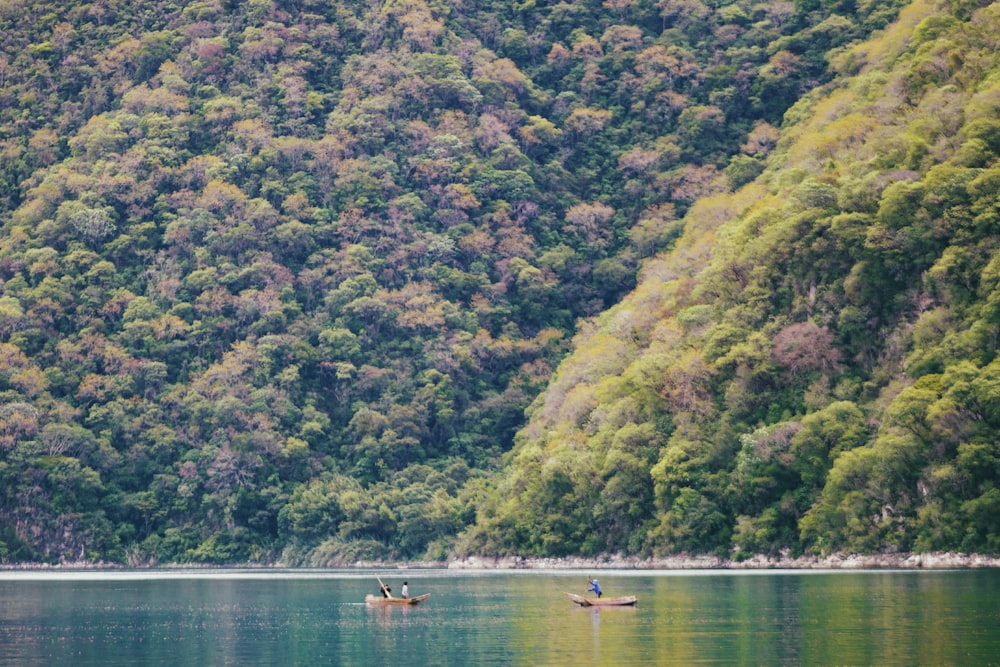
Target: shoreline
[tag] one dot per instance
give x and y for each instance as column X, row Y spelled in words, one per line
column 923, row 561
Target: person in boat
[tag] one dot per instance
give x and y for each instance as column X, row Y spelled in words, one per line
column 594, row 586
column 406, row 590
column 386, row 592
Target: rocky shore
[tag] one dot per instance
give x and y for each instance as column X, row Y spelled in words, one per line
column 925, row 561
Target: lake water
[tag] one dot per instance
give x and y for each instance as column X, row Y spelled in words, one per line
column 297, row 617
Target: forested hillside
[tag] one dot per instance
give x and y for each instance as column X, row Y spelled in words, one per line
column 814, row 368
column 279, row 279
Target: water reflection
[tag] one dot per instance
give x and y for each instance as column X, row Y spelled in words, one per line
column 390, row 614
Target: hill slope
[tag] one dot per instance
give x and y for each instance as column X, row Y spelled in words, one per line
column 814, row 367
column 278, row 279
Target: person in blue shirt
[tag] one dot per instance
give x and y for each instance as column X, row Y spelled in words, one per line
column 594, row 586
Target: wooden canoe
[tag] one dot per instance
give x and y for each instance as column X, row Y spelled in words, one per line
column 378, row 600
column 625, row 601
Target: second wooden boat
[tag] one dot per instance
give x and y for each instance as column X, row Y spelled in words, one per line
column 378, row 600
column 625, row 601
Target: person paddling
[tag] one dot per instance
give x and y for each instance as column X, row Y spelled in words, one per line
column 386, row 591
column 594, row 586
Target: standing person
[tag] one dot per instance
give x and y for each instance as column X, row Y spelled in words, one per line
column 386, row 591
column 594, row 586
column 406, row 590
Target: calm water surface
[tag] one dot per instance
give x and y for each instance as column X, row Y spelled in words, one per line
column 312, row 617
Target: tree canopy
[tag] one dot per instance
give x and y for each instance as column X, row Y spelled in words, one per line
column 312, row 282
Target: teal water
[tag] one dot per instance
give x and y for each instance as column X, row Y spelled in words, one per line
column 239, row 617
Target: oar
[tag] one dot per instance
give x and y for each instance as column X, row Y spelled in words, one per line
column 381, row 584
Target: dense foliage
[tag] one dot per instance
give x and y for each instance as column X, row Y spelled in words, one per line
column 278, row 279
column 814, row 368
